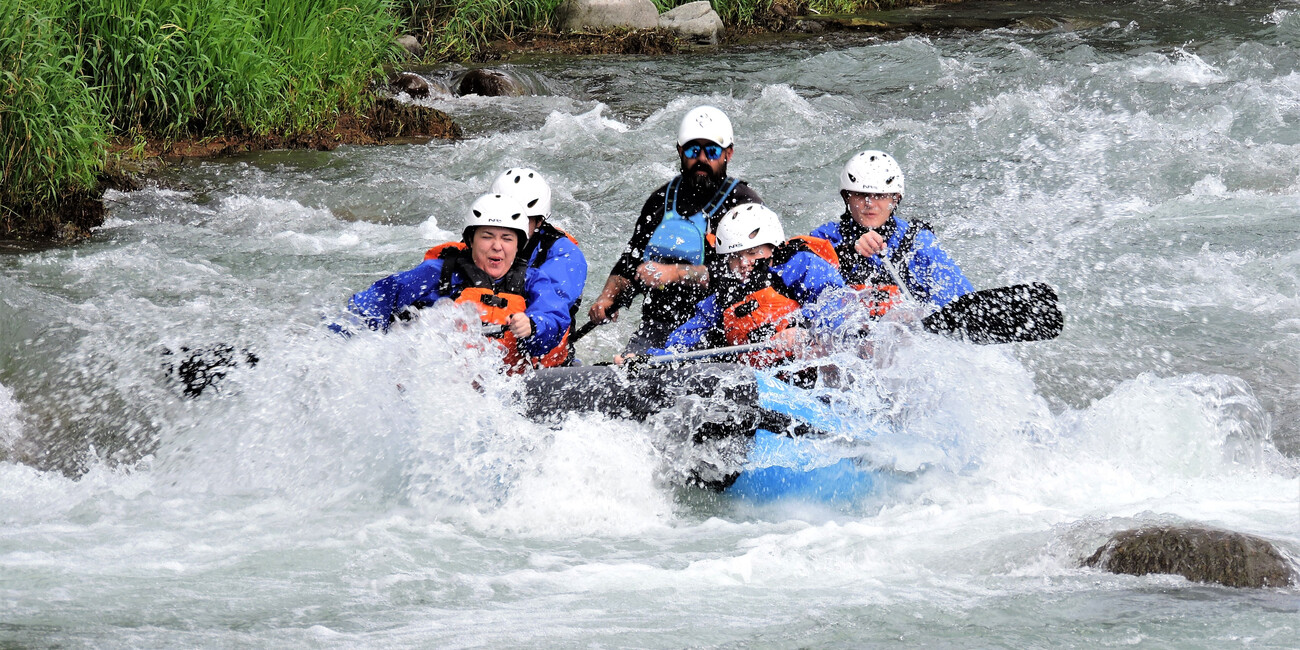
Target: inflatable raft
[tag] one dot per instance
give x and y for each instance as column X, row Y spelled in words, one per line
column 796, row 444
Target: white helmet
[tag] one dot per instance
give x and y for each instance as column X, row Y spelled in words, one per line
column 746, row 226
column 528, row 187
column 496, row 210
column 705, row 123
column 872, row 172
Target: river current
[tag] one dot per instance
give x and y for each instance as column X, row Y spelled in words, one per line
column 1142, row 158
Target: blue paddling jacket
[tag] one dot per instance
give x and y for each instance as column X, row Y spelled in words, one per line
column 927, row 270
column 422, row 286
column 791, row 281
column 555, row 254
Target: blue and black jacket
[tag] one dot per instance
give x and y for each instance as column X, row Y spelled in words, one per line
column 388, row 299
column 793, row 270
column 928, row 271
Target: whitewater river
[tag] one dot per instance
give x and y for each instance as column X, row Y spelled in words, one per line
column 1142, row 158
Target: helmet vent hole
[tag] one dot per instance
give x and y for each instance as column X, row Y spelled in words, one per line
column 534, row 201
column 477, row 213
column 755, row 233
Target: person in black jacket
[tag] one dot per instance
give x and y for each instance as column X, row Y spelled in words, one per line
column 669, row 258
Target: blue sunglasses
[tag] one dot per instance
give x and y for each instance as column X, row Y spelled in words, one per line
column 711, row 151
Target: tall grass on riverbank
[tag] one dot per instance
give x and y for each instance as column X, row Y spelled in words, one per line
column 52, row 133
column 456, row 29
column 77, row 73
column 199, row 67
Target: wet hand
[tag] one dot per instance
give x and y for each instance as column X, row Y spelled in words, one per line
column 791, row 339
column 520, row 326
column 600, row 312
column 870, row 243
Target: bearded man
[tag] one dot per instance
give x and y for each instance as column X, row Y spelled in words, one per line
column 670, row 256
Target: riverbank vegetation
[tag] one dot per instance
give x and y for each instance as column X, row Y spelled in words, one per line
column 88, row 84
column 85, row 81
column 460, row 29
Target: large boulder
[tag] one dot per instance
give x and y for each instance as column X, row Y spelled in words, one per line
column 410, row 83
column 579, row 15
column 1198, row 554
column 695, row 21
column 486, row 82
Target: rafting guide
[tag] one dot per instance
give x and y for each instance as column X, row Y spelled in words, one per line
column 668, row 259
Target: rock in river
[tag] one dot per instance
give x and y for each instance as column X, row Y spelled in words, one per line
column 1198, row 554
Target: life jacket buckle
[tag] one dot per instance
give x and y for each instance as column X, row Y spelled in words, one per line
column 494, row 301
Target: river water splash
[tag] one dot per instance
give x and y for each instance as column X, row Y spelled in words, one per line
column 1142, row 158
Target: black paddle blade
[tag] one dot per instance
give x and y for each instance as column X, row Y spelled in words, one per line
column 1015, row 314
column 200, row 368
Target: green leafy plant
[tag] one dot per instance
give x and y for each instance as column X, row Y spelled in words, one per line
column 52, row 134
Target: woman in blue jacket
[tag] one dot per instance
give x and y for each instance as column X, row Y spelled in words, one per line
column 484, row 269
column 871, row 185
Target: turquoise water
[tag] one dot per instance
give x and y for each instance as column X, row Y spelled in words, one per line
column 1144, row 160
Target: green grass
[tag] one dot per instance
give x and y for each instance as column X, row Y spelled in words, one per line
column 52, row 133
column 76, row 73
column 198, row 67
column 456, row 29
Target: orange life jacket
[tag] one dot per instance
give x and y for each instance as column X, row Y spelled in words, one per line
column 496, row 306
column 878, row 301
column 765, row 309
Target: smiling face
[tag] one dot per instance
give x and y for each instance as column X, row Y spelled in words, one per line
column 493, row 249
column 741, row 263
column 870, row 210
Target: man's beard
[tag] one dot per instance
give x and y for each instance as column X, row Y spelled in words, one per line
column 708, row 179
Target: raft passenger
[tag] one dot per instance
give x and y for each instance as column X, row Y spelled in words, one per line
column 551, row 251
column 668, row 257
column 871, row 185
column 483, row 269
column 772, row 290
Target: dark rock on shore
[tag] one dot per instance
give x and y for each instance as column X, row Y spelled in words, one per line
column 1198, row 554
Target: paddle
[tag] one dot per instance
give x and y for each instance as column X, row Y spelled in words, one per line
column 1016, row 314
column 1019, row 313
column 623, row 301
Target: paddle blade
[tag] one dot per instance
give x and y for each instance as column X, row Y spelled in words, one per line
column 1015, row 314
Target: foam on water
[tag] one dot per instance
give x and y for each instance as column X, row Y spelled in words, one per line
column 383, row 490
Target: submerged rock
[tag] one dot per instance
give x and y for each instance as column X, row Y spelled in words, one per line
column 410, row 83
column 1198, row 554
column 487, row 82
column 579, row 15
column 695, row 21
